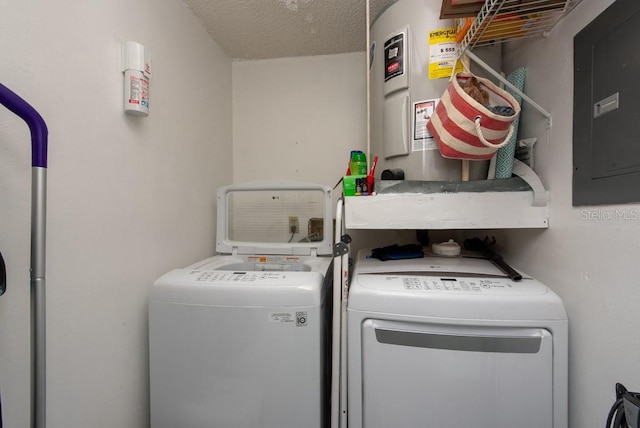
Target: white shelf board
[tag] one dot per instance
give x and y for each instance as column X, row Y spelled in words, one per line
column 463, row 210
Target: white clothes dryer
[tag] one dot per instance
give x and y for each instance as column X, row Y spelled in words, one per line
column 441, row 342
column 242, row 339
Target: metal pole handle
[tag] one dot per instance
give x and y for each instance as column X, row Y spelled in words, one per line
column 39, row 135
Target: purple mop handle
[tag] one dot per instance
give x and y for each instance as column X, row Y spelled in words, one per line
column 39, row 132
column 39, row 135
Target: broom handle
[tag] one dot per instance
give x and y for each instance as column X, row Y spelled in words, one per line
column 464, row 59
column 465, row 170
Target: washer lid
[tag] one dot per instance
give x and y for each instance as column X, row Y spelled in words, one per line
column 275, row 217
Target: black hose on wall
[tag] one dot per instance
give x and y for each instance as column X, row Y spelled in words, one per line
column 3, row 288
column 3, row 280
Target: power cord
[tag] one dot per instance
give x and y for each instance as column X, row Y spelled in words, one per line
column 625, row 407
column 616, row 415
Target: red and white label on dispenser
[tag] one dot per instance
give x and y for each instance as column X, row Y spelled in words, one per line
column 422, row 138
column 139, row 90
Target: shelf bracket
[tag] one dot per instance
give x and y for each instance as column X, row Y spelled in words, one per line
column 540, row 196
column 508, row 84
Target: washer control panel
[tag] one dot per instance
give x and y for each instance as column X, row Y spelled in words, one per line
column 227, row 276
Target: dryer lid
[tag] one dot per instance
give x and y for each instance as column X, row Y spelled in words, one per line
column 275, row 217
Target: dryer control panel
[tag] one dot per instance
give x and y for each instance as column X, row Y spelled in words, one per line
column 447, row 284
column 450, row 284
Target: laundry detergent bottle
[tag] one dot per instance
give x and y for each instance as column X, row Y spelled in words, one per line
column 358, row 164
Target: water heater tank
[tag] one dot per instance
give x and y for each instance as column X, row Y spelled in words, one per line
column 407, row 39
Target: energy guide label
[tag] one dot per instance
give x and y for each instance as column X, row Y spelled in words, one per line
column 443, row 53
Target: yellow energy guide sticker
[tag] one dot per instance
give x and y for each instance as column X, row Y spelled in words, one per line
column 443, row 52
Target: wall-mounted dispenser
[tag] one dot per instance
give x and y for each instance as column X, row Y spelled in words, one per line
column 136, row 65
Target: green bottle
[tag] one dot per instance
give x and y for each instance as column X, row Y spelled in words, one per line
column 358, row 164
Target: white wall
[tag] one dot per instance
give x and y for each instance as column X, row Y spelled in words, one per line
column 298, row 118
column 592, row 264
column 129, row 198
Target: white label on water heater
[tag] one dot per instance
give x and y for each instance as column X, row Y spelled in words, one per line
column 394, row 54
column 422, row 138
column 396, row 62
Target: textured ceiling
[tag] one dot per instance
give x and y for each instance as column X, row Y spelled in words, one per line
column 258, row 29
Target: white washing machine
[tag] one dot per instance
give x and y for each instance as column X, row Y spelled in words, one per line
column 242, row 339
column 451, row 342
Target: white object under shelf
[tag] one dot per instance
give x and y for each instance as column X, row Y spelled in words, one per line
column 463, row 210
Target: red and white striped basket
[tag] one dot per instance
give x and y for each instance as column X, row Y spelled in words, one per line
column 464, row 128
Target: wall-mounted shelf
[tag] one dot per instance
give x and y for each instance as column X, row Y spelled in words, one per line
column 504, row 20
column 438, row 211
column 514, row 203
